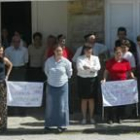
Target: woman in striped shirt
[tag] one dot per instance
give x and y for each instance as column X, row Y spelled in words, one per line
column 58, row 70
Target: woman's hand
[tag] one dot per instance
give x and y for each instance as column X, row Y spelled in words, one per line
column 103, row 81
column 135, row 78
column 6, row 78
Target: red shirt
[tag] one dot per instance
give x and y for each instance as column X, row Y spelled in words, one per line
column 118, row 70
column 66, row 53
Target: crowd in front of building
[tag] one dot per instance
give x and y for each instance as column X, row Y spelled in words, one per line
column 56, row 62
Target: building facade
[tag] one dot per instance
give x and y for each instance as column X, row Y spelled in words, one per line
column 79, row 17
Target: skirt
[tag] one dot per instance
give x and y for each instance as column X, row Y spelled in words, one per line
column 87, row 87
column 3, row 106
column 57, row 107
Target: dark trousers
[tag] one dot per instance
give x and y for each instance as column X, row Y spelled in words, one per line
column 115, row 113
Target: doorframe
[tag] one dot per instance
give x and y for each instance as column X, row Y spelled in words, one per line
column 34, row 16
column 136, row 18
column 0, row 21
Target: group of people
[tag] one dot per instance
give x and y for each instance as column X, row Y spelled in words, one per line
column 57, row 62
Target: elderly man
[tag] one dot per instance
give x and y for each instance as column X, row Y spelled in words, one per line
column 98, row 49
column 18, row 55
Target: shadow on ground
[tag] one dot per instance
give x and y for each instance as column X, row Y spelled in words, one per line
column 98, row 129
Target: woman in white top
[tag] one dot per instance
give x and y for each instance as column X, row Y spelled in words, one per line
column 127, row 54
column 58, row 70
column 88, row 66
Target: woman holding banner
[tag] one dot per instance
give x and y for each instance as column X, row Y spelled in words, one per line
column 117, row 69
column 58, row 70
column 3, row 94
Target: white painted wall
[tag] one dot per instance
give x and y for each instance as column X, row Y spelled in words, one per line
column 49, row 17
column 124, row 13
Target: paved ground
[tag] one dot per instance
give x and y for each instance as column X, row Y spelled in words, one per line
column 31, row 128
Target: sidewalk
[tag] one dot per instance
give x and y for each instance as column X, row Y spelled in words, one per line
column 32, row 128
column 32, row 125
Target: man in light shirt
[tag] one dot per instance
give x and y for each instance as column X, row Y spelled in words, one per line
column 18, row 55
column 98, row 48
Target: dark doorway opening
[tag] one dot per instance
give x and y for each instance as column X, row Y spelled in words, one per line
column 16, row 16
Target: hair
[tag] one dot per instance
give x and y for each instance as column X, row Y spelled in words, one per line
column 18, row 32
column 122, row 29
column 138, row 38
column 15, row 37
column 86, row 47
column 126, row 43
column 61, row 36
column 87, row 36
column 37, row 34
column 117, row 48
column 57, row 46
column 52, row 37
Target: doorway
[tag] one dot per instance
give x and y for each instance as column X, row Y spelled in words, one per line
column 121, row 13
column 16, row 16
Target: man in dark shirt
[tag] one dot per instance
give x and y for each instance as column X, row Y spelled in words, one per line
column 122, row 35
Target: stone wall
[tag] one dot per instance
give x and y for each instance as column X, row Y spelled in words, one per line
column 85, row 16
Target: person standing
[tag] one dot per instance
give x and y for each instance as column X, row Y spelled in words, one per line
column 67, row 53
column 18, row 55
column 122, row 35
column 22, row 42
column 88, row 66
column 58, row 70
column 5, row 38
column 117, row 69
column 97, row 48
column 3, row 92
column 61, row 40
column 36, row 59
column 127, row 54
column 51, row 42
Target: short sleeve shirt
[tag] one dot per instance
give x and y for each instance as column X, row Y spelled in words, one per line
column 118, row 70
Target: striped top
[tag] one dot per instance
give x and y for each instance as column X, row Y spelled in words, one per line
column 58, row 72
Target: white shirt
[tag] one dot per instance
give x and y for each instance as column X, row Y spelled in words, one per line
column 18, row 57
column 97, row 50
column 58, row 72
column 129, row 57
column 93, row 63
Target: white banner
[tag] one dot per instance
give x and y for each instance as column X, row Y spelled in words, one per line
column 119, row 93
column 24, row 94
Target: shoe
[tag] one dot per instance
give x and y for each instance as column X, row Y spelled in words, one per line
column 119, row 121
column 83, row 121
column 47, row 130
column 110, row 122
column 61, row 129
column 92, row 121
